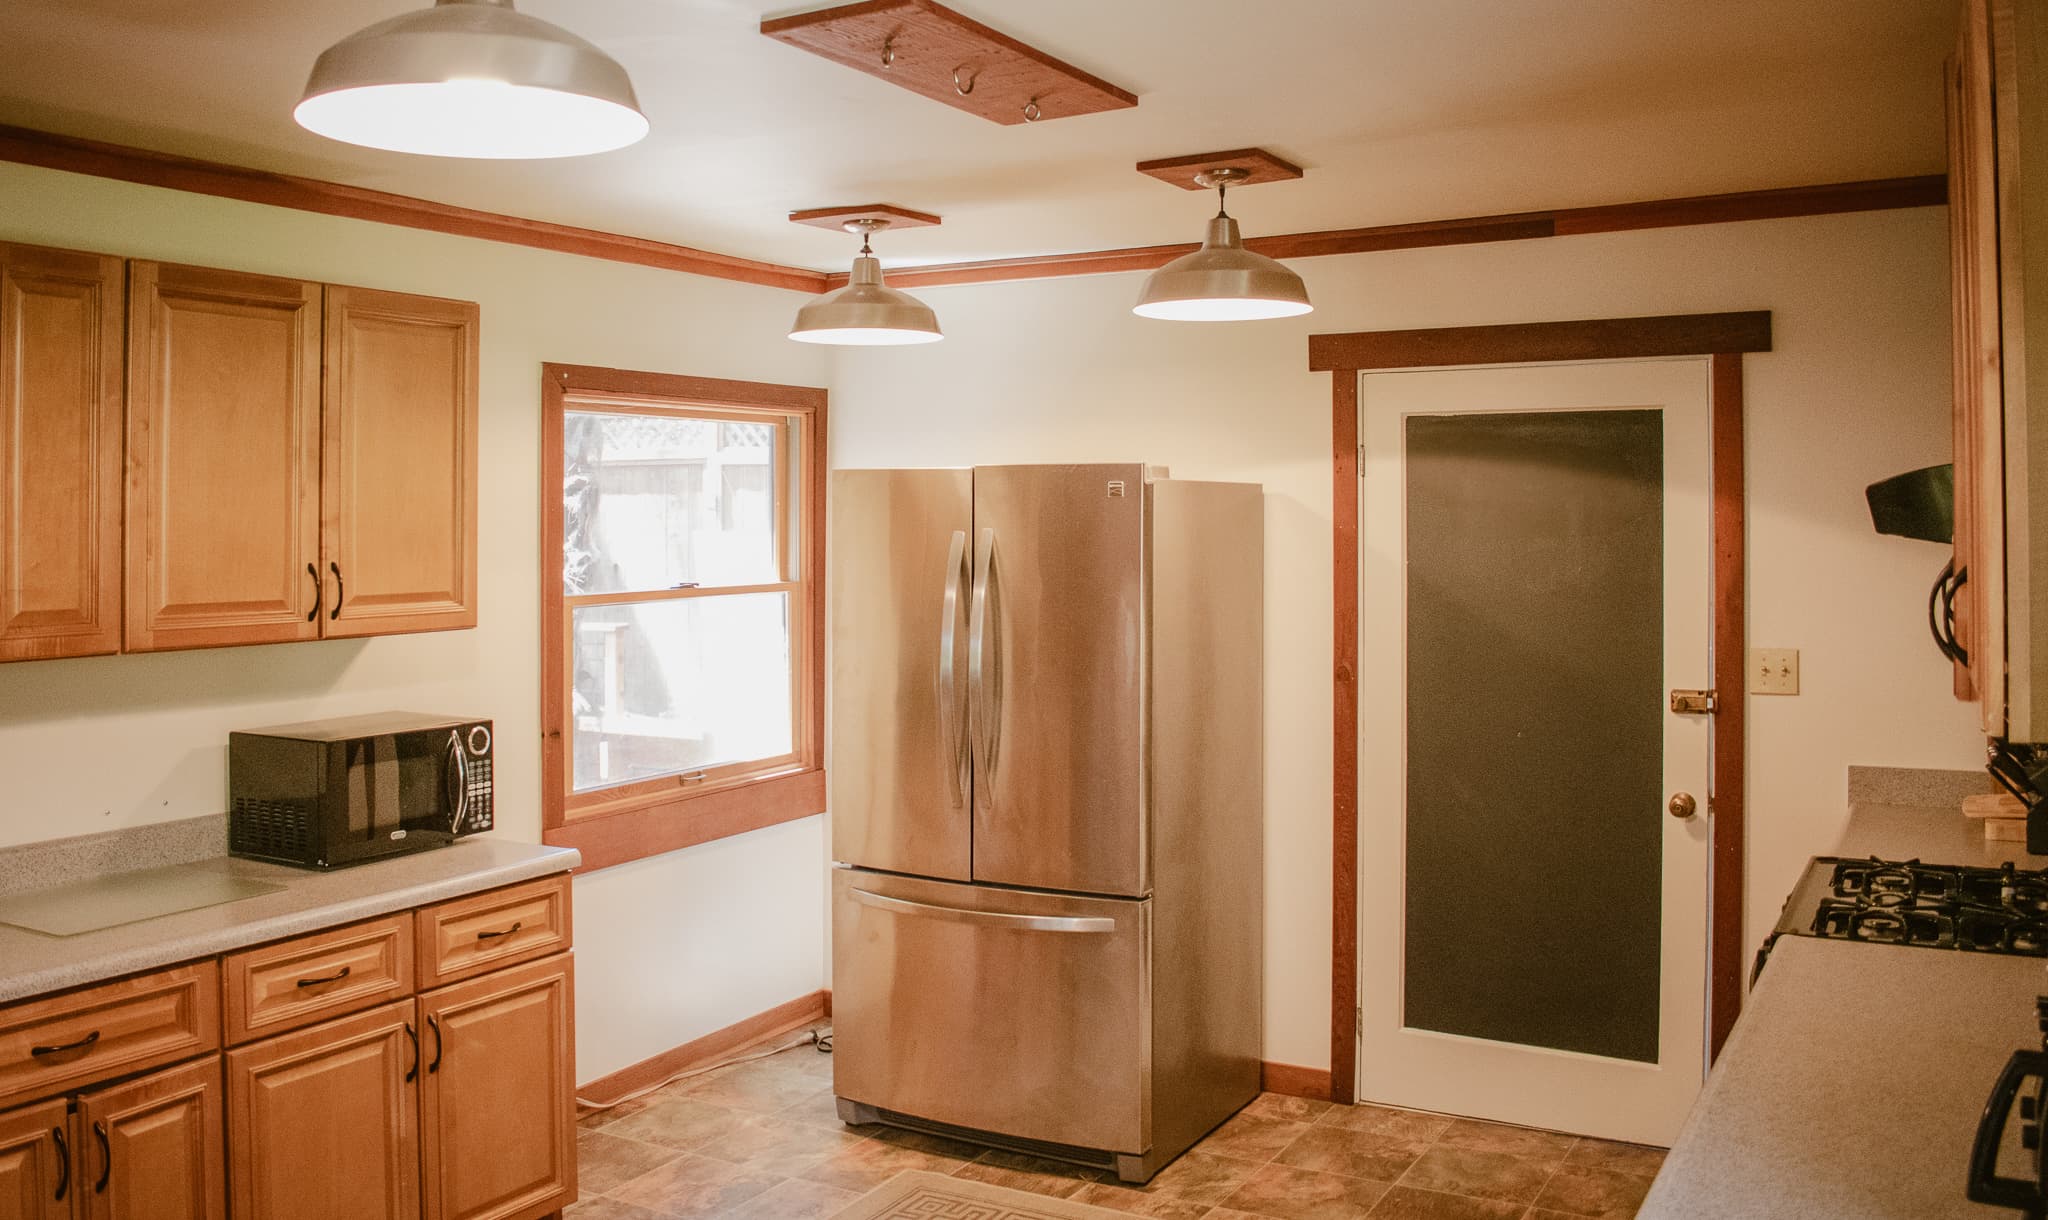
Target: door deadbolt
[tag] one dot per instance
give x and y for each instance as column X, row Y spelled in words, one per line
column 1682, row 805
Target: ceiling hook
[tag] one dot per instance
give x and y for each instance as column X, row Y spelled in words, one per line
column 969, row 86
column 1031, row 111
column 889, row 51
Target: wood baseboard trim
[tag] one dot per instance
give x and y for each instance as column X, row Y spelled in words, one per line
column 1295, row 1081
column 738, row 1038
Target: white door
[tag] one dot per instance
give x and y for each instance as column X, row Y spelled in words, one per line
column 1534, row 581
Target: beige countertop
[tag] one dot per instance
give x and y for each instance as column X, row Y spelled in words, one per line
column 33, row 964
column 1851, row 1086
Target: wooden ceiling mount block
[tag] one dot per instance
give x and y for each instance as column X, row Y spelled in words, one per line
column 837, row 218
column 932, row 50
column 1258, row 164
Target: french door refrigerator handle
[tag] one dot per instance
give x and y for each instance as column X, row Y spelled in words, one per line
column 995, row 919
column 953, row 717
column 984, row 677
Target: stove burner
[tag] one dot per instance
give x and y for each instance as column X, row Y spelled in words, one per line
column 1985, row 910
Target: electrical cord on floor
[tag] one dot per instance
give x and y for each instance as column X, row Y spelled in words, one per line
column 818, row 1036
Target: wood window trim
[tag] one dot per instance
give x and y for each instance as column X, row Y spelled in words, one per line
column 1722, row 338
column 656, row 816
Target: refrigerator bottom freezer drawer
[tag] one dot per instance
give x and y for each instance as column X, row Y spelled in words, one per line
column 1009, row 1011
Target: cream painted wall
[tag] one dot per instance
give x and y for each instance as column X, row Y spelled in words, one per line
column 667, row 949
column 1856, row 389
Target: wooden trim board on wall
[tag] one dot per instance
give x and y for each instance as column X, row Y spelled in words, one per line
column 73, row 154
column 736, row 1039
column 1722, row 338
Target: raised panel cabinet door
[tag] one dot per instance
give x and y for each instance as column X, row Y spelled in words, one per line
column 223, row 458
column 399, row 511
column 35, row 1170
column 151, row 1149
column 60, row 452
column 497, row 1110
column 322, row 1122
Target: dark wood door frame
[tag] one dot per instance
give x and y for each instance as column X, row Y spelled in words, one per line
column 1722, row 337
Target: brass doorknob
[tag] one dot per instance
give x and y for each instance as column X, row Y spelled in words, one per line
column 1683, row 806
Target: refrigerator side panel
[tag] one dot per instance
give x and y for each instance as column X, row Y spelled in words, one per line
column 1057, row 646
column 899, row 792
column 1208, row 802
column 1009, row 1012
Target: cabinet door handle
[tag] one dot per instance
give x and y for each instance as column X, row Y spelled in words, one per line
column 319, row 592
column 434, row 1023
column 40, row 1051
column 516, row 925
column 412, row 1073
column 340, row 589
column 336, row 977
column 63, row 1163
column 99, row 1131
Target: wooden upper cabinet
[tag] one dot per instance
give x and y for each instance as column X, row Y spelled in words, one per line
column 35, row 1171
column 399, row 511
column 223, row 458
column 497, row 1107
column 152, row 1149
column 61, row 315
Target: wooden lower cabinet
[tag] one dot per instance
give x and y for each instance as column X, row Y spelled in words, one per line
column 500, row 1052
column 150, row 1149
column 35, row 1169
column 324, row 1121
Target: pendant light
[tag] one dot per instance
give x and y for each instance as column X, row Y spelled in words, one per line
column 1222, row 281
column 471, row 78
column 867, row 312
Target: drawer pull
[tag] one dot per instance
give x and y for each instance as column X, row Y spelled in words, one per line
column 39, row 1051
column 516, row 925
column 99, row 1131
column 63, row 1163
column 326, row 978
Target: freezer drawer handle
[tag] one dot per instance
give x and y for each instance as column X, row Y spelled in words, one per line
column 991, row 919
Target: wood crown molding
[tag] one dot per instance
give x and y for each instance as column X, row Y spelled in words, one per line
column 73, row 154
column 1871, row 196
column 101, row 160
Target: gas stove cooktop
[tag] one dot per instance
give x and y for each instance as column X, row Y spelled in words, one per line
column 1906, row 902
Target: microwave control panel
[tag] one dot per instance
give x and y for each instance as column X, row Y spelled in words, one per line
column 476, row 807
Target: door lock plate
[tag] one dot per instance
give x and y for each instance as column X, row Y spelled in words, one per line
column 1694, row 702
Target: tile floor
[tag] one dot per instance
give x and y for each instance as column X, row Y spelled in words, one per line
column 761, row 1141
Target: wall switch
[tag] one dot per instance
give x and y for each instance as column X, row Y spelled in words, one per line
column 1774, row 671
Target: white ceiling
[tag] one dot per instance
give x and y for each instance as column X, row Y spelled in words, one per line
column 1401, row 110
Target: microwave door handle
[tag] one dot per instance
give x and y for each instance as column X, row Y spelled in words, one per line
column 458, row 766
column 952, row 729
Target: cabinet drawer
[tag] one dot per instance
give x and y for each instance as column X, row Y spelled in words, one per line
column 311, row 978
column 109, row 1030
column 485, row 931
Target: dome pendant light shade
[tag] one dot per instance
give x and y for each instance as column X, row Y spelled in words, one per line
column 471, row 78
column 867, row 312
column 1222, row 281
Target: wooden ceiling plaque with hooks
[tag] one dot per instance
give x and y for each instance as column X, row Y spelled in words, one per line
column 931, row 50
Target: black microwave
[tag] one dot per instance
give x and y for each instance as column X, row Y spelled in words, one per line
column 330, row 793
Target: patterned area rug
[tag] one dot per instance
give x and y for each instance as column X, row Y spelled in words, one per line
column 917, row 1195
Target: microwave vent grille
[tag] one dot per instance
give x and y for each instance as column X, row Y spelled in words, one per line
column 277, row 829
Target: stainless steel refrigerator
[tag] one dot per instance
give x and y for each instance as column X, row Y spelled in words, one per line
column 1047, row 800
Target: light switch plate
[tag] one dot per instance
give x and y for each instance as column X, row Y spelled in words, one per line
column 1774, row 671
